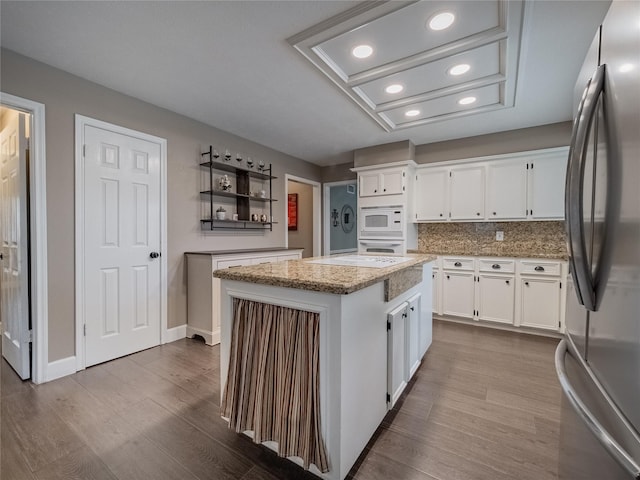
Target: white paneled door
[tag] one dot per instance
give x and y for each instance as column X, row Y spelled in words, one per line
column 122, row 268
column 14, row 284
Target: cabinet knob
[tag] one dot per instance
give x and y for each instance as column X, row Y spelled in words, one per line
column 384, row 189
column 507, row 282
column 375, row 191
column 412, row 309
column 440, row 214
column 494, row 213
column 539, row 269
column 457, row 264
column 447, row 277
column 496, row 266
column 478, row 213
column 526, row 283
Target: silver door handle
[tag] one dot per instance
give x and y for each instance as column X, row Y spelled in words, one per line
column 574, row 186
column 601, row 434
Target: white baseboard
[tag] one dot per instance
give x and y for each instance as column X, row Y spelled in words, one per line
column 175, row 333
column 210, row 338
column 60, row 368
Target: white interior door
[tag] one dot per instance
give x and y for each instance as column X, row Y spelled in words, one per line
column 14, row 284
column 122, row 240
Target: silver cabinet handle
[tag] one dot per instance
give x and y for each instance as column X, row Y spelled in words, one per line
column 574, row 190
column 601, row 434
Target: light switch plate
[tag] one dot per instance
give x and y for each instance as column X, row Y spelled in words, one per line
column 499, row 236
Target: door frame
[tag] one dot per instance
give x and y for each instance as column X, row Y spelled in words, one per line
column 317, row 221
column 326, row 216
column 38, row 272
column 81, row 122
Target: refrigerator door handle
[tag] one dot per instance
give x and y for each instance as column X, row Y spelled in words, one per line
column 574, row 190
column 605, row 439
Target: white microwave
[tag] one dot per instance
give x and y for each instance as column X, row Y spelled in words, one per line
column 381, row 222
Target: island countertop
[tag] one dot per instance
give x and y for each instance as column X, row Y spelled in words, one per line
column 301, row 274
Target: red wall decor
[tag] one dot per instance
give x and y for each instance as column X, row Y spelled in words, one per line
column 292, row 211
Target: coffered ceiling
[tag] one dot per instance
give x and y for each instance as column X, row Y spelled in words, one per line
column 236, row 65
column 408, row 77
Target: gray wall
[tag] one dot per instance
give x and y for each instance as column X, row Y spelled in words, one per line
column 338, row 173
column 64, row 95
column 521, row 140
column 303, row 236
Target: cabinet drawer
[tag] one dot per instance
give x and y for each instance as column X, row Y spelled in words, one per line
column 457, row 263
column 233, row 262
column 532, row 267
column 496, row 265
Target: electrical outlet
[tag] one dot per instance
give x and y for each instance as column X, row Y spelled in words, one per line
column 499, row 236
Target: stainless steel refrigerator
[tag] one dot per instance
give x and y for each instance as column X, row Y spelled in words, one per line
column 598, row 361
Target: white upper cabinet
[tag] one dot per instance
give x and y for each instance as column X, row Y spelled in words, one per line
column 507, row 189
column 431, row 194
column 382, row 182
column 466, row 192
column 519, row 186
column 546, row 186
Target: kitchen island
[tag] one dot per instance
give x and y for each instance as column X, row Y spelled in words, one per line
column 355, row 336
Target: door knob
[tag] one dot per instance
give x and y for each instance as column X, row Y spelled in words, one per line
column 154, row 254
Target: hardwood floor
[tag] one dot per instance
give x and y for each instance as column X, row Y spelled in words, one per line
column 483, row 405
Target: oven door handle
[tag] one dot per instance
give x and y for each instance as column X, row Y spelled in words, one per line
column 606, row 440
column 381, row 243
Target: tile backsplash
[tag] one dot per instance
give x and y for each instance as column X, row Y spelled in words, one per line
column 521, row 239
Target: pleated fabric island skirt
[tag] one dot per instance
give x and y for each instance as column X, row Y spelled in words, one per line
column 273, row 385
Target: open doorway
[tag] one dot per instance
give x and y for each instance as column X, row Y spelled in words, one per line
column 340, row 218
column 23, row 270
column 303, row 215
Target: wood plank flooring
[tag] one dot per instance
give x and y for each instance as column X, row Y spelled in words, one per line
column 483, row 405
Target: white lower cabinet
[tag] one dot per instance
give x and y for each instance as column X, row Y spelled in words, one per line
column 496, row 298
column 540, row 302
column 519, row 292
column 203, row 291
column 458, row 291
column 396, row 352
column 413, row 336
column 436, row 277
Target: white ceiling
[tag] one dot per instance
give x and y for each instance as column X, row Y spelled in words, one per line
column 229, row 65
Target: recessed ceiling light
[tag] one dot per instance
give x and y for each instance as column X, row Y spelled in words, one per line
column 394, row 88
column 441, row 21
column 412, row 113
column 459, row 69
column 627, row 67
column 362, row 51
column 467, row 100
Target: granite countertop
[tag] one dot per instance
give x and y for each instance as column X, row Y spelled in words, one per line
column 246, row 250
column 509, row 254
column 335, row 279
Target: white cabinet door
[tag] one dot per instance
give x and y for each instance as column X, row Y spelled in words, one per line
column 413, row 336
column 540, row 302
column 393, row 182
column 436, row 289
column 466, row 192
column 507, row 189
column 396, row 353
column 496, row 298
column 431, row 194
column 458, row 291
column 369, row 184
column 546, row 186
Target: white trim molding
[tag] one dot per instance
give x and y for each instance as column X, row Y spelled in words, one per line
column 80, row 122
column 175, row 333
column 317, row 217
column 38, row 241
column 61, row 368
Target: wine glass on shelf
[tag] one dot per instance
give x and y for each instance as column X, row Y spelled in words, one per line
column 216, row 155
column 260, row 165
column 249, row 162
column 227, row 155
column 239, row 158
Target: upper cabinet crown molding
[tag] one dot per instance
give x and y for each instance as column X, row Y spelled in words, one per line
column 383, row 166
column 496, row 158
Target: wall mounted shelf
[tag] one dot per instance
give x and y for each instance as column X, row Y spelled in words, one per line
column 242, row 195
